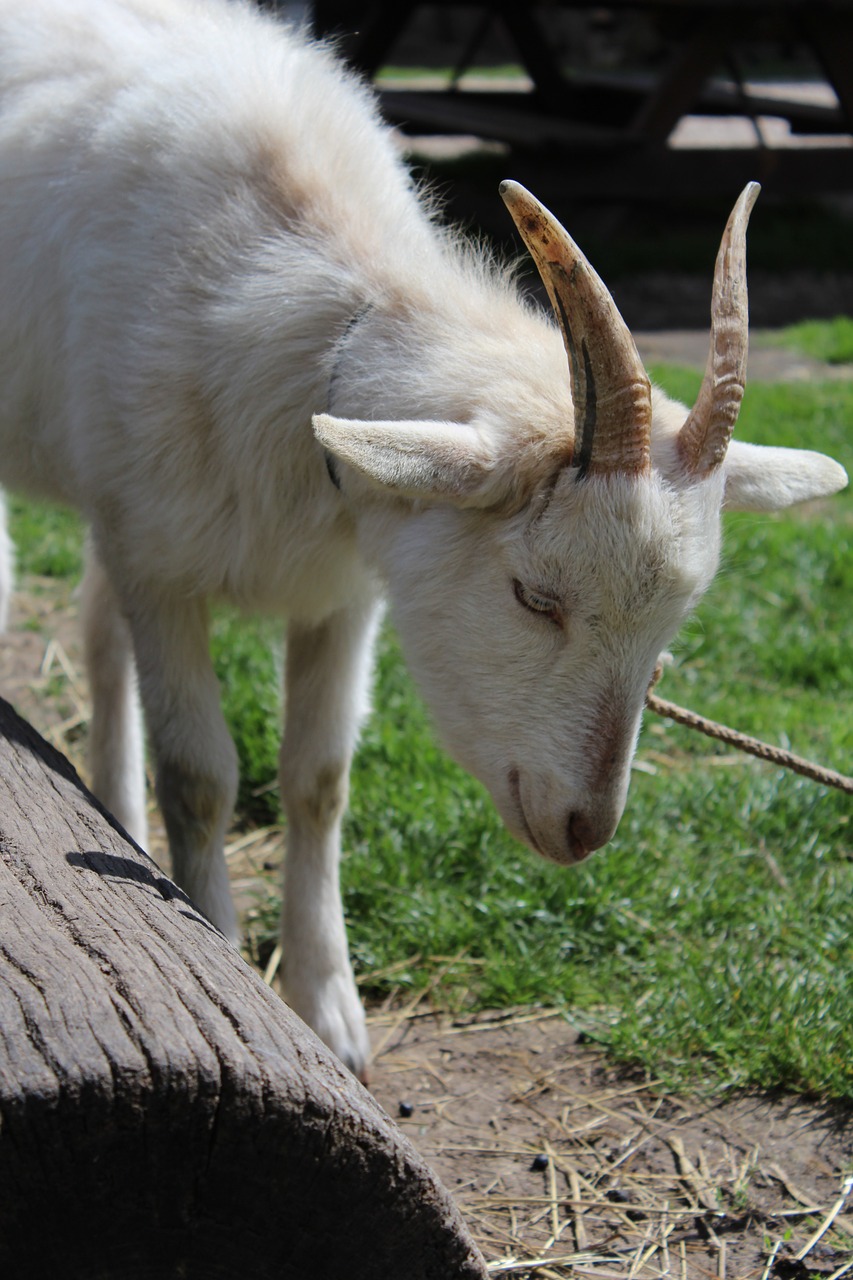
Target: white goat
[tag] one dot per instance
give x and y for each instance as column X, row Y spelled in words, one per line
column 231, row 335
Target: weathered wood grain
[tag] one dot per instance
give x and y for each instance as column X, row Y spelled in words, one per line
column 162, row 1112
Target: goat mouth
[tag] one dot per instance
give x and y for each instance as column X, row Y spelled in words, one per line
column 575, row 849
column 514, row 779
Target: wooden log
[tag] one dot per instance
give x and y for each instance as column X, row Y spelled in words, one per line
column 162, row 1112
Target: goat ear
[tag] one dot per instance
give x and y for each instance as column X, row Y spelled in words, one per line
column 447, row 461
column 760, row 478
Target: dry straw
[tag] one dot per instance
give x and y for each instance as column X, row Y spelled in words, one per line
column 576, row 1172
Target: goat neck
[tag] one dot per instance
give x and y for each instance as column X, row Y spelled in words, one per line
column 610, row 388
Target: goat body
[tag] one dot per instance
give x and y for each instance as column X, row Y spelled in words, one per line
column 235, row 339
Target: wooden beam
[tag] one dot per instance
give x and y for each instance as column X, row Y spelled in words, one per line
column 162, row 1112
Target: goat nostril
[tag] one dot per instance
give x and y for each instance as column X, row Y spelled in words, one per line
column 581, row 840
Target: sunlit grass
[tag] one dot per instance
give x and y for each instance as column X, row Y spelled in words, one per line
column 48, row 540
column 829, row 340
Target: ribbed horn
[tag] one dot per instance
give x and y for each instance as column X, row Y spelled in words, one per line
column 705, row 436
column 610, row 388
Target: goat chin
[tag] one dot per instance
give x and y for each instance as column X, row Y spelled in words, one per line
column 235, row 338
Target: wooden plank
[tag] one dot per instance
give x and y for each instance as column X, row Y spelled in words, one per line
column 682, row 174
column 696, row 58
column 831, row 34
column 162, row 1112
column 512, row 118
column 593, row 108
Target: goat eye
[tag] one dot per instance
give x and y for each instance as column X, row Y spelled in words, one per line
column 535, row 602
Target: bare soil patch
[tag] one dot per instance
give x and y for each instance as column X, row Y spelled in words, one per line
column 554, row 1154
column 562, row 1164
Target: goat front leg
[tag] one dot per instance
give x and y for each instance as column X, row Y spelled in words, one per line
column 327, row 682
column 195, row 757
column 116, row 739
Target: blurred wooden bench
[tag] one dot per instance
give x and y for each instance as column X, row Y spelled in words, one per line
column 615, row 128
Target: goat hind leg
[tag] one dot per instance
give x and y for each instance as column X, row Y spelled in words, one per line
column 195, row 757
column 327, row 677
column 116, row 739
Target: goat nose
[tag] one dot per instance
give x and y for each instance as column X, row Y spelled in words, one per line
column 583, row 837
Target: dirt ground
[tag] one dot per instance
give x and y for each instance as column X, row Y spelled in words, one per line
column 553, row 1154
column 562, row 1165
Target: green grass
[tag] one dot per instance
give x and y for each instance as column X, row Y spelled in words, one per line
column 712, row 943
column 48, row 540
column 246, row 660
column 829, row 340
column 394, row 73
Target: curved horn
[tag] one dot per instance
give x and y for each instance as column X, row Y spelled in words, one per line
column 705, row 436
column 610, row 388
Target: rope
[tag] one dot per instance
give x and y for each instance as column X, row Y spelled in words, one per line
column 754, row 746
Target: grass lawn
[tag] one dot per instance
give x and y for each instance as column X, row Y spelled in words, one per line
column 830, row 340
column 712, row 942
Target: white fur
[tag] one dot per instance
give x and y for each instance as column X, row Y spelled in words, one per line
column 206, row 240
